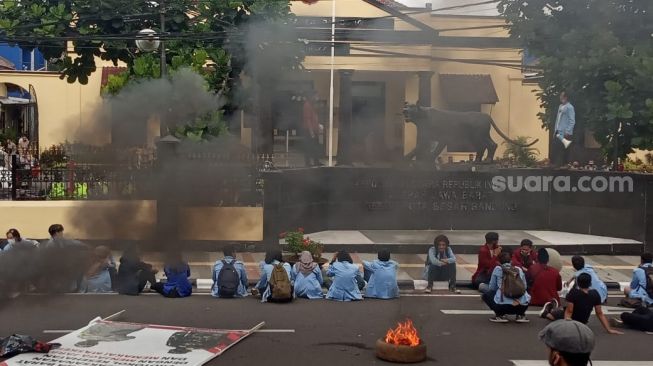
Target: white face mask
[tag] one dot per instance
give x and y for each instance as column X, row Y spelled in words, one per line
column 11, row 241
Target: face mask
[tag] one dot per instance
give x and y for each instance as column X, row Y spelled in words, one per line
column 11, row 241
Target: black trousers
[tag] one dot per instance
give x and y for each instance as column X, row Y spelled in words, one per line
column 502, row 309
column 559, row 155
column 311, row 147
column 442, row 273
column 640, row 319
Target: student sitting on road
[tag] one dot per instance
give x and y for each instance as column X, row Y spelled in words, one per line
column 133, row 273
column 229, row 276
column 440, row 264
column 346, row 277
column 641, row 286
column 308, row 277
column 97, row 278
column 640, row 319
column 383, row 277
column 507, row 292
column 14, row 239
column 580, row 303
column 579, row 265
column 544, row 282
column 524, row 256
column 487, row 260
column 276, row 280
column 177, row 272
column 570, row 343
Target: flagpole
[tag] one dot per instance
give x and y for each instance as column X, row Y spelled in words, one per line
column 331, row 88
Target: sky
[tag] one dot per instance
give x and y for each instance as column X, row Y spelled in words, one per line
column 486, row 9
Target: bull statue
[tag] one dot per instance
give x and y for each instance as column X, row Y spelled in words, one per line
column 438, row 128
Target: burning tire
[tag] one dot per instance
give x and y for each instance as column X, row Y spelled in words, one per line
column 400, row 353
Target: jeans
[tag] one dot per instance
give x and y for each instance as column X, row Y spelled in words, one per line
column 442, row 273
column 640, row 319
column 502, row 309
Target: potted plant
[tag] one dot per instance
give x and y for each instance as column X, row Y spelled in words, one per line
column 296, row 242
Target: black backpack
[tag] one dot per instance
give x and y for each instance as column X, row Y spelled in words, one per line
column 228, row 280
column 648, row 273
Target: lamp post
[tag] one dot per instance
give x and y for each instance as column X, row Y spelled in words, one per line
column 331, row 87
column 162, row 11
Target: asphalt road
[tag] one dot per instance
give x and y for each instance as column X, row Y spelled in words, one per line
column 326, row 333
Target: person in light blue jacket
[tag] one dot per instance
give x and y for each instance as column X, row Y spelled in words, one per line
column 272, row 258
column 563, row 130
column 637, row 288
column 440, row 264
column 383, row 279
column 579, row 265
column 97, row 278
column 501, row 304
column 346, row 277
column 230, row 257
column 308, row 277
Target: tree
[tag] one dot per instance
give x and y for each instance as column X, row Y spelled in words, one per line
column 209, row 36
column 601, row 53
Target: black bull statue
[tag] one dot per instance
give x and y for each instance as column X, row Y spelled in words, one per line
column 438, row 128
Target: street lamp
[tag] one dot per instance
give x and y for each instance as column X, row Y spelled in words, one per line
column 147, row 42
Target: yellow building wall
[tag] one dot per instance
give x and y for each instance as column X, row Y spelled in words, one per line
column 129, row 220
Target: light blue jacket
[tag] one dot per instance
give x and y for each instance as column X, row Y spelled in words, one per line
column 310, row 285
column 11, row 243
column 266, row 273
column 100, row 283
column 383, row 281
column 434, row 257
column 242, row 274
column 345, row 285
column 638, row 285
column 566, row 119
column 495, row 285
column 597, row 284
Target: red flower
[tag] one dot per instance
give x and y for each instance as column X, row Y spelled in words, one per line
column 282, row 235
column 309, row 2
column 301, row 230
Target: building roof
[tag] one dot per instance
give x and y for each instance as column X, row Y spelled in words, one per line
column 468, row 89
column 6, row 64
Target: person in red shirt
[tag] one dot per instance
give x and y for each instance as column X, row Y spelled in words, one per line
column 311, row 128
column 524, row 256
column 544, row 282
column 488, row 258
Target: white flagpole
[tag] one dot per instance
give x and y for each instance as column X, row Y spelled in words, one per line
column 331, row 91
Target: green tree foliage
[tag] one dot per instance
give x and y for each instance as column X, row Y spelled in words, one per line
column 521, row 154
column 210, row 36
column 601, row 52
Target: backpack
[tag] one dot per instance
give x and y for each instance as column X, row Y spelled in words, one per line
column 648, row 273
column 511, row 285
column 280, row 287
column 228, row 280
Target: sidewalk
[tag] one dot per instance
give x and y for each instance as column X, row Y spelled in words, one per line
column 614, row 270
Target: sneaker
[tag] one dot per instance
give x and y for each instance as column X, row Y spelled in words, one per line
column 427, row 290
column 616, row 323
column 454, row 290
column 546, row 309
column 521, row 319
column 499, row 319
column 555, row 303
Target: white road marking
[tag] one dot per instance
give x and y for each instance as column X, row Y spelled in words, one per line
column 66, row 331
column 595, row 363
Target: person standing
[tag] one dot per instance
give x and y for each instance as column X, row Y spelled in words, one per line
column 23, row 146
column 564, row 129
column 311, row 128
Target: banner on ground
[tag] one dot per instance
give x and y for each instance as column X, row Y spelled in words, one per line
column 131, row 344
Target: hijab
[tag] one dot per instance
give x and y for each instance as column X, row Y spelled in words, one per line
column 306, row 264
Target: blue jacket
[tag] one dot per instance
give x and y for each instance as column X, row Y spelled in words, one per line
column 242, row 274
column 566, row 119
column 177, row 278
column 383, row 282
column 345, row 283
column 100, row 283
column 638, row 285
column 434, row 257
column 597, row 284
column 308, row 286
column 495, row 285
column 266, row 274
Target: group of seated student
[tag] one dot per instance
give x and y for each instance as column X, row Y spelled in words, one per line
column 279, row 282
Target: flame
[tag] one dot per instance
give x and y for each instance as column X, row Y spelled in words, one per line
column 405, row 334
